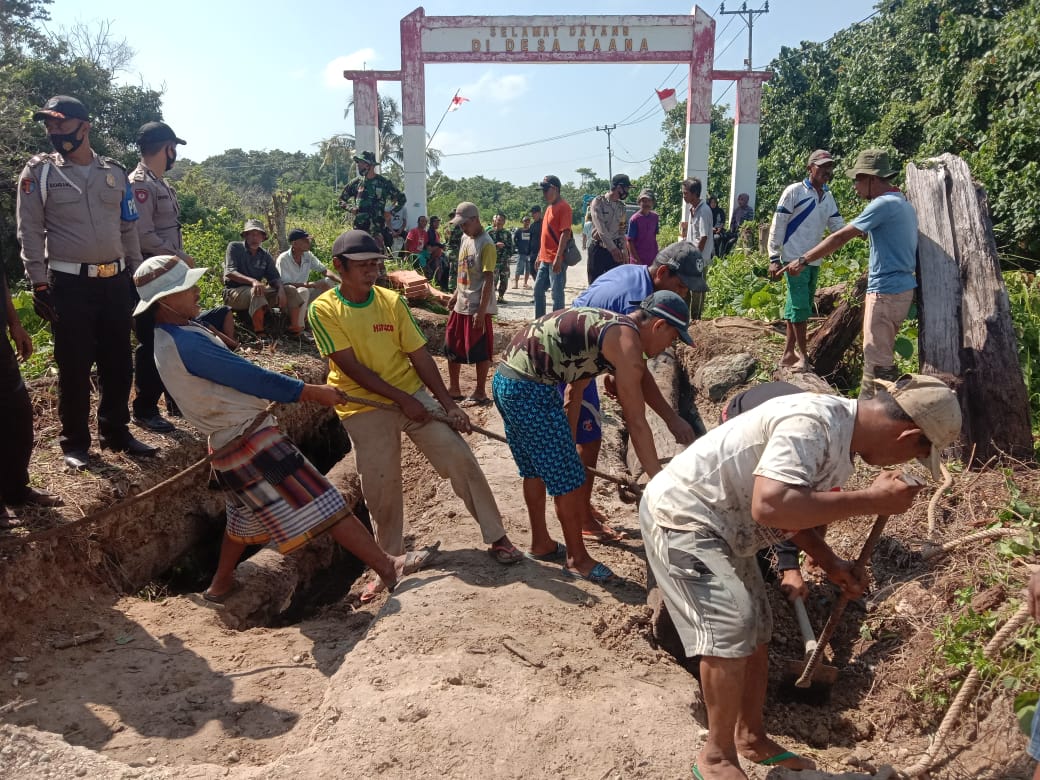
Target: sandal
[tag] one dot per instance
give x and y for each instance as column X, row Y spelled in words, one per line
column 557, row 555
column 605, row 534
column 371, row 591
column 471, row 401
column 600, row 574
column 505, row 553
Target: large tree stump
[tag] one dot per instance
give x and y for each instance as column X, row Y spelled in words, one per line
column 832, row 339
column 966, row 328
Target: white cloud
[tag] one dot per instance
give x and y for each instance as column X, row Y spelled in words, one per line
column 492, row 88
column 354, row 61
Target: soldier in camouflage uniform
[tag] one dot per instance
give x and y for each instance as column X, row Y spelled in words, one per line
column 454, row 244
column 374, row 194
column 504, row 246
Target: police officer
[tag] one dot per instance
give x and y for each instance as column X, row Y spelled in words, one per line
column 78, row 232
column 374, row 193
column 159, row 229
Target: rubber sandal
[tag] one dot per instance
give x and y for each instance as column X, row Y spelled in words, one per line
column 697, row 772
column 418, row 559
column 557, row 555
column 600, row 574
column 506, row 554
column 207, row 599
column 778, row 758
column 371, row 591
column 470, row 402
column 608, row 534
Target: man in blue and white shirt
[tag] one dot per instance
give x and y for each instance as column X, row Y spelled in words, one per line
column 806, row 209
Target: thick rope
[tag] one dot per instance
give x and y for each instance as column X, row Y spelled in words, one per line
column 934, row 550
column 121, row 506
column 967, row 692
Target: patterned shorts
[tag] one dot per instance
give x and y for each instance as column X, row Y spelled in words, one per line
column 538, row 434
column 590, row 420
column 1034, row 740
column 274, row 494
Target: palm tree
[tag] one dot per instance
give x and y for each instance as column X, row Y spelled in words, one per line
column 336, row 152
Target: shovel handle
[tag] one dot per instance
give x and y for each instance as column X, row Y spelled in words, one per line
column 805, row 626
column 828, row 630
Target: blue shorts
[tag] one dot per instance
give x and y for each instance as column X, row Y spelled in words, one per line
column 538, row 434
column 590, row 423
column 1034, row 741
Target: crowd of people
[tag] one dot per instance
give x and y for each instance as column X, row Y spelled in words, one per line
column 104, row 254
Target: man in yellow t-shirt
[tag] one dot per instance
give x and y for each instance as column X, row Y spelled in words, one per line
column 377, row 351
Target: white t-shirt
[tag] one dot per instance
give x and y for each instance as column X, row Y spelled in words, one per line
column 700, row 224
column 298, row 274
column 802, row 440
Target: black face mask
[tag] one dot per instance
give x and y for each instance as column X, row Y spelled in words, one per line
column 66, row 143
column 170, row 159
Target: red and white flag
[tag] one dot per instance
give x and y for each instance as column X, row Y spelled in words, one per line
column 668, row 99
column 456, row 103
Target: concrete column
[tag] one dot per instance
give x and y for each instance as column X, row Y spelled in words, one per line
column 698, row 103
column 746, row 132
column 366, row 115
column 413, row 114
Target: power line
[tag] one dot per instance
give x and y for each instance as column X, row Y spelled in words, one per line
column 747, row 15
column 608, row 129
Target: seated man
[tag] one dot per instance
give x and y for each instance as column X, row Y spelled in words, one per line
column 273, row 492
column 429, row 260
column 764, row 476
column 376, row 352
column 574, row 346
column 296, row 265
column 246, row 265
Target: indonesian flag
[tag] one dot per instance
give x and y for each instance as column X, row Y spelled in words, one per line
column 667, row 98
column 457, row 101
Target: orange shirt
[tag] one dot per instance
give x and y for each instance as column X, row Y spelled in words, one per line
column 558, row 216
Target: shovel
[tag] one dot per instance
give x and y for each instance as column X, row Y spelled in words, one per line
column 824, row 676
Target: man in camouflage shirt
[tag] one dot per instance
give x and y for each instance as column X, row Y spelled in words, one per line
column 504, row 247
column 374, row 193
column 572, row 347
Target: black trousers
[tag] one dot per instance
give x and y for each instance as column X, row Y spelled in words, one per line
column 146, row 376
column 600, row 261
column 16, row 427
column 93, row 326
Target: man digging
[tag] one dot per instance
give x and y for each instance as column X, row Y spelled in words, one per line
column 274, row 494
column 766, row 476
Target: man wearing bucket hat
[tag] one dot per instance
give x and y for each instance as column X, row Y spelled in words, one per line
column 78, row 232
column 643, row 227
column 273, row 492
column 376, row 199
column 246, row 266
column 765, row 476
column 377, row 352
column 296, row 264
column 891, row 223
column 572, row 347
column 678, row 268
column 806, row 209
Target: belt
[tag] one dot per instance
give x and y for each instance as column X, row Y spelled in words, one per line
column 92, row 270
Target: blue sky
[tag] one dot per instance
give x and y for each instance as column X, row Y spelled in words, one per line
column 267, row 75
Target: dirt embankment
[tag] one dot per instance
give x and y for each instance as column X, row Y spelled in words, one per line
column 471, row 669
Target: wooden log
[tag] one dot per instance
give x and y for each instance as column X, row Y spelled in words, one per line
column 832, row 339
column 975, row 339
column 270, row 584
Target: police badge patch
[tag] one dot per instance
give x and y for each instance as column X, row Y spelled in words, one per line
column 28, row 186
column 141, row 195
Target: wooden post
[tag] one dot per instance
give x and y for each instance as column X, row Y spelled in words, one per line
column 832, row 340
column 965, row 319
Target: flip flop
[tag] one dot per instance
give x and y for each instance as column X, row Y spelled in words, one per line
column 600, row 574
column 470, row 402
column 456, row 397
column 417, row 559
column 778, row 758
column 207, row 599
column 559, row 554
column 371, row 591
column 697, row 772
column 608, row 534
column 506, row 554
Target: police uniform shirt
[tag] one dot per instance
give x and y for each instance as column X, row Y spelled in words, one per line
column 75, row 214
column 158, row 225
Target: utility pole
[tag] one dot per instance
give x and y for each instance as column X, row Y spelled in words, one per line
column 608, row 129
column 748, row 17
